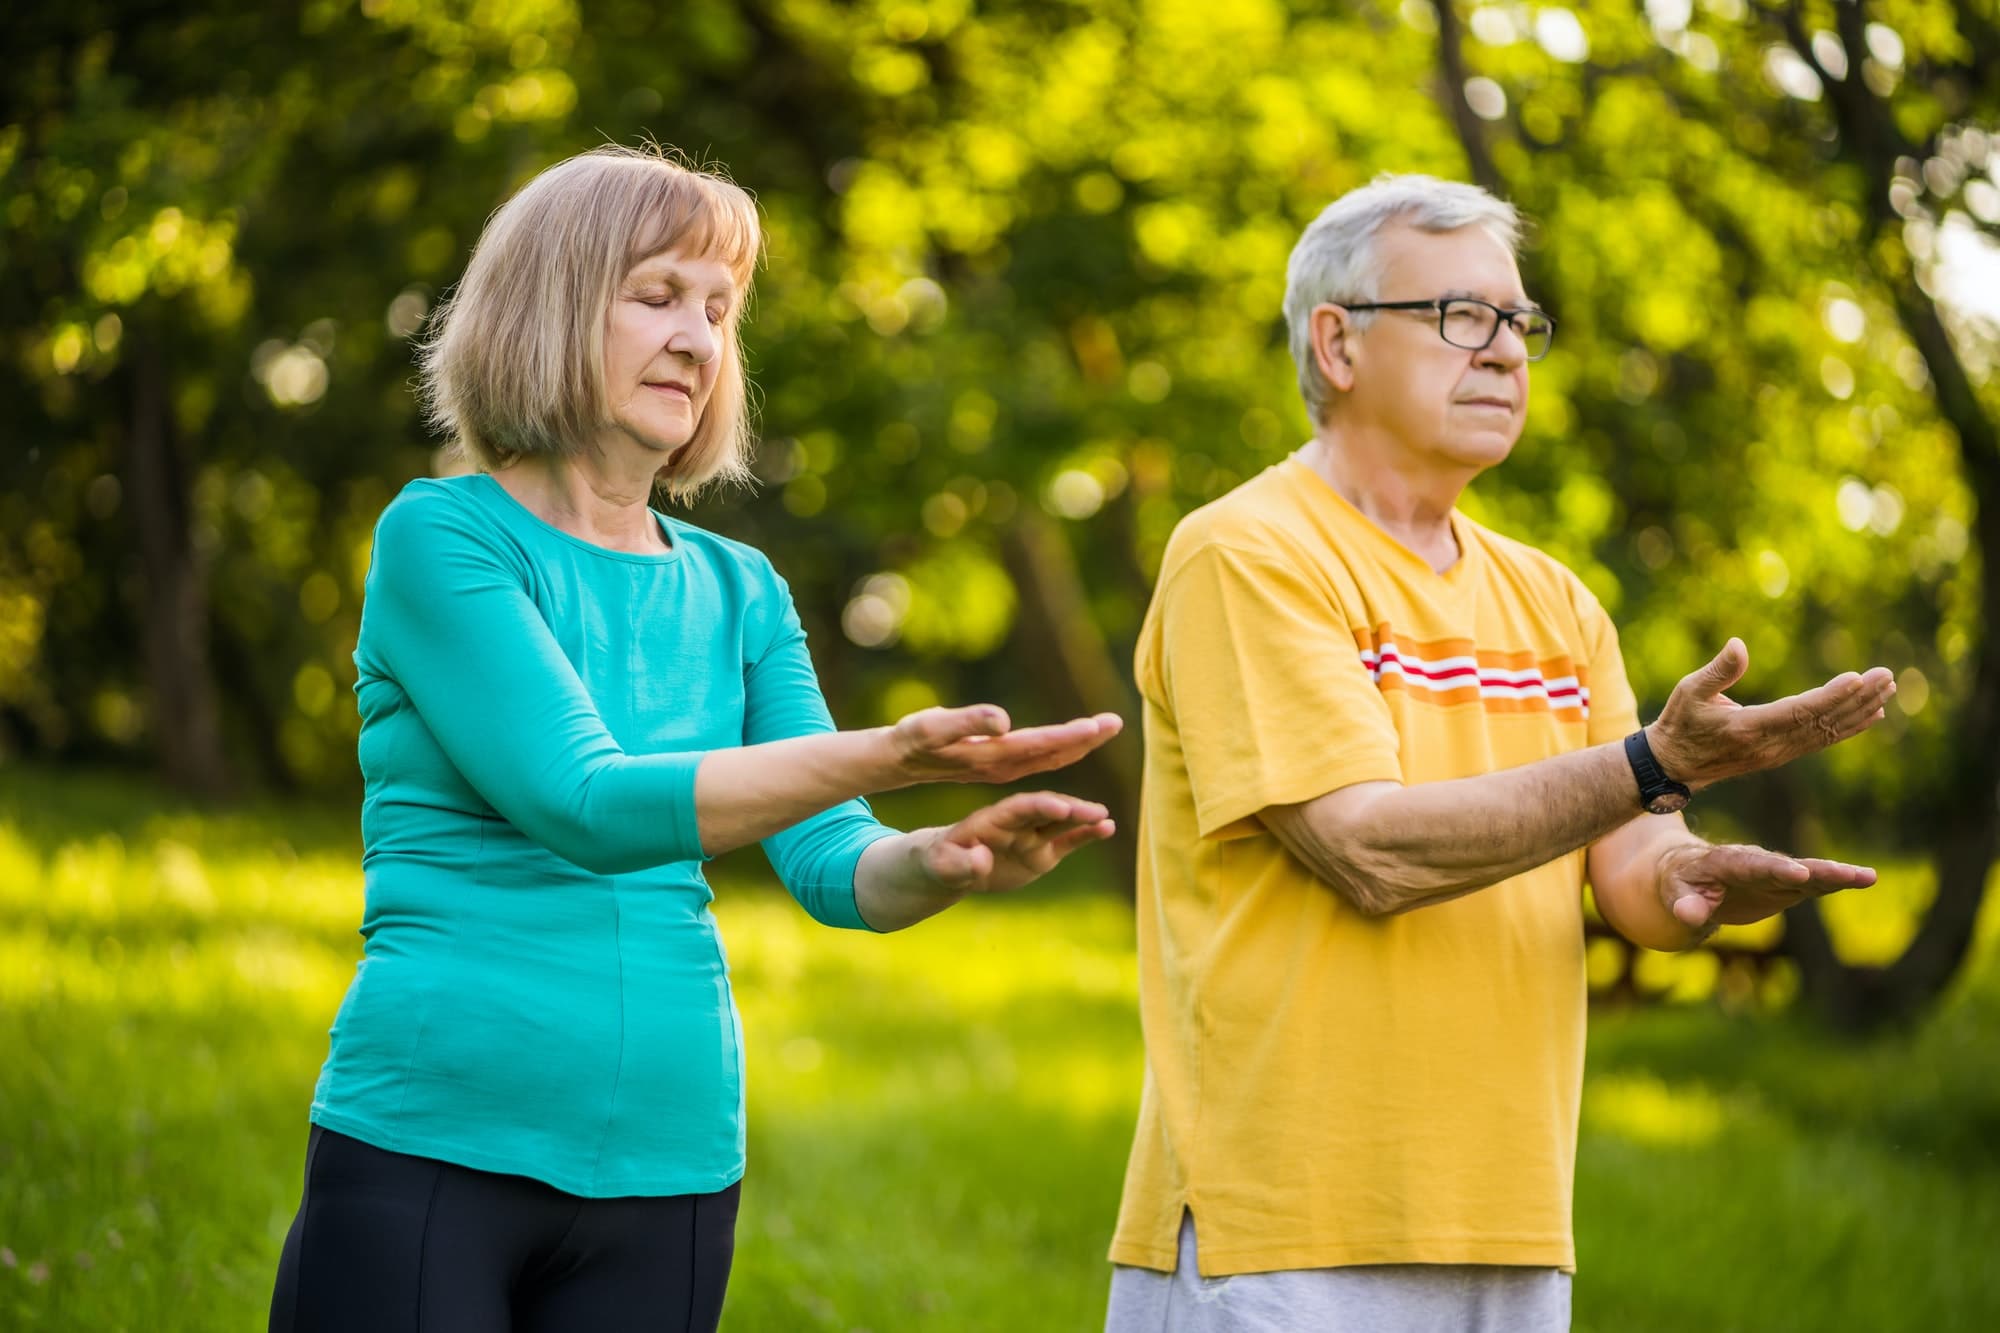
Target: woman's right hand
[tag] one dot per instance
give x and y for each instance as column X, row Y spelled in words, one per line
column 978, row 743
column 901, row 880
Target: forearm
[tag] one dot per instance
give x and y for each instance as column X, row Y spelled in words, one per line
column 1625, row 872
column 1393, row 849
column 892, row 889
column 746, row 794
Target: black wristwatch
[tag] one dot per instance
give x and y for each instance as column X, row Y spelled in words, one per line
column 1660, row 794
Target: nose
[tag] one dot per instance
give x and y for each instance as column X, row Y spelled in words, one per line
column 694, row 337
column 1506, row 352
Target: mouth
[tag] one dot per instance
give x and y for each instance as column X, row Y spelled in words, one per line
column 1496, row 404
column 671, row 390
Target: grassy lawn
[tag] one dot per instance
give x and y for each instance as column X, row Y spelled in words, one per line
column 939, row 1120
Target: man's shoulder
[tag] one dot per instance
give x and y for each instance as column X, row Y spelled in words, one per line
column 1531, row 564
column 1259, row 519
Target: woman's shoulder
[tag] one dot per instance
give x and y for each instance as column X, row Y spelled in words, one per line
column 434, row 500
column 431, row 515
column 735, row 557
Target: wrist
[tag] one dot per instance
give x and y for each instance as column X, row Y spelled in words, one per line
column 924, row 877
column 1661, row 790
column 1661, row 742
column 1673, row 758
column 894, row 885
column 1675, row 855
column 883, row 765
column 1668, row 867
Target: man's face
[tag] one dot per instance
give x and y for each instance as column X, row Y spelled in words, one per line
column 663, row 344
column 1445, row 403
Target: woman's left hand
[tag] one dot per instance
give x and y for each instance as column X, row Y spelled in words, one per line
column 1013, row 842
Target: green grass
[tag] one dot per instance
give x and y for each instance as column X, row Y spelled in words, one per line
column 939, row 1120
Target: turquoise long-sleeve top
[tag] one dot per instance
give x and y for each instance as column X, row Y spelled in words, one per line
column 543, row 991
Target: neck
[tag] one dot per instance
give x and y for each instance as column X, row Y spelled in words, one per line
column 1407, row 497
column 589, row 499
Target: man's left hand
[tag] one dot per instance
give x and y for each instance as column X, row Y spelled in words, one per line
column 1732, row 885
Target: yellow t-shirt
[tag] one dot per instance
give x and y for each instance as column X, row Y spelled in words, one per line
column 1323, row 1088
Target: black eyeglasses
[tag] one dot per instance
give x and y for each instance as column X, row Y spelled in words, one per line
column 1473, row 324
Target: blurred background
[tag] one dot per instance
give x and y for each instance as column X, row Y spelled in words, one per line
column 1020, row 314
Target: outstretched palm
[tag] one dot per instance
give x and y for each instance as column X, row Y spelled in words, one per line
column 980, row 743
column 1014, row 841
column 1733, row 885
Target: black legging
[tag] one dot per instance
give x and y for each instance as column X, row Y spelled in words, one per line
column 389, row 1243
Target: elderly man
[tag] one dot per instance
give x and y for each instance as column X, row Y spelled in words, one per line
column 1384, row 747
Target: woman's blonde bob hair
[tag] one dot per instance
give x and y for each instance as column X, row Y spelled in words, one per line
column 514, row 362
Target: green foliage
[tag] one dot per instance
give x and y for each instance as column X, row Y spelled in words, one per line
column 935, row 1115
column 1021, row 254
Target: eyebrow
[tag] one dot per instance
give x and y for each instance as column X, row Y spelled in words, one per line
column 647, row 272
column 1475, row 296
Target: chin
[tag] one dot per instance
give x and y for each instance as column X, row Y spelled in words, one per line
column 1479, row 451
column 654, row 439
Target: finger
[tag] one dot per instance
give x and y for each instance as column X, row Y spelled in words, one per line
column 1844, row 701
column 1815, row 719
column 1875, row 689
column 1832, row 876
column 1723, row 671
column 1098, row 724
column 1065, row 843
column 1030, row 811
column 1868, row 699
column 1041, row 759
column 1796, row 711
column 1694, row 909
column 956, row 863
column 1031, row 749
column 1013, row 818
column 1743, row 865
column 941, row 728
column 1847, row 722
column 1847, row 728
column 1049, row 735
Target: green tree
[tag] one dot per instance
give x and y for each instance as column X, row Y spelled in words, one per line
column 1020, row 315
column 219, row 223
column 1801, row 159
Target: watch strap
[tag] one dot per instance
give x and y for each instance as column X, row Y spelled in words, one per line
column 1653, row 780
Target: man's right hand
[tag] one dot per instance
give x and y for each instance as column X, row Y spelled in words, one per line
column 1702, row 736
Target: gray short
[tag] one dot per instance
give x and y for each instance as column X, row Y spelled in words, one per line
column 1378, row 1298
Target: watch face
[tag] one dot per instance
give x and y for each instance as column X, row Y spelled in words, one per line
column 1667, row 803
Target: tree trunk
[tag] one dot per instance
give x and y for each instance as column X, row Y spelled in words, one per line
column 173, row 612
column 1964, row 827
column 1451, row 79
column 1074, row 673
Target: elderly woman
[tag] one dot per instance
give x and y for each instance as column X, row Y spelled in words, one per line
column 531, row 1117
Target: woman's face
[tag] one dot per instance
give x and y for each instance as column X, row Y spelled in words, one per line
column 663, row 348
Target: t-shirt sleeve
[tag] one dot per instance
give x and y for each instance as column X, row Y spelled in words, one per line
column 448, row 617
column 816, row 857
column 1614, row 711
column 1264, row 683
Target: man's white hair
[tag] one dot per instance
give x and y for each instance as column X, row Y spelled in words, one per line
column 1334, row 261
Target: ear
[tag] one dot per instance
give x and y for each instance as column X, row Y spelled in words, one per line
column 1330, row 328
